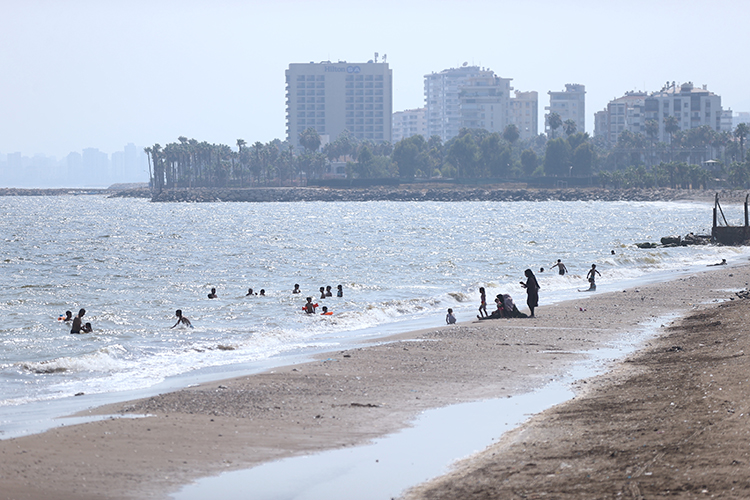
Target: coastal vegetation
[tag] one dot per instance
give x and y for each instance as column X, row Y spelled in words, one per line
column 698, row 158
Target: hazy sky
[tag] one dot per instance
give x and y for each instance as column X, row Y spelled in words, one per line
column 102, row 73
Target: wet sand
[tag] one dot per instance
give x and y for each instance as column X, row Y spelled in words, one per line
column 350, row 397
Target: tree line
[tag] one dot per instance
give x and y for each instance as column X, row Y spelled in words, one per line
column 695, row 158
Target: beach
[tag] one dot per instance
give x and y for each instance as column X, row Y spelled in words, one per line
column 347, row 398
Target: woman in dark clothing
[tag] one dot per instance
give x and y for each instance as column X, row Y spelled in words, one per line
column 532, row 291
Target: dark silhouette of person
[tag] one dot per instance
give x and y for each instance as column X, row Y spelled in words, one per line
column 532, row 291
column 76, row 328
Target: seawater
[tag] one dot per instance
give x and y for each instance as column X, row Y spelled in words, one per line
column 131, row 263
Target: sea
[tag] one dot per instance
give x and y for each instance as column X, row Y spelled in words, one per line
column 132, row 263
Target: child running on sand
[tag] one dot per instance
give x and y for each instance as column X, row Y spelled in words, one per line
column 483, row 302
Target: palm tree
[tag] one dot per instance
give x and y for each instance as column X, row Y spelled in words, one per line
column 569, row 126
column 671, row 125
column 740, row 132
column 554, row 121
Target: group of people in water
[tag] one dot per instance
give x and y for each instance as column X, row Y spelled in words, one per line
column 506, row 308
column 76, row 323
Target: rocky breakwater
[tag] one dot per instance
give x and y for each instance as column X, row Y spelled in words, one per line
column 678, row 241
column 417, row 193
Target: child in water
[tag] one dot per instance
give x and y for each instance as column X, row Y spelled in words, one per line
column 326, row 312
column 181, row 319
column 450, row 319
column 339, row 291
column 309, row 307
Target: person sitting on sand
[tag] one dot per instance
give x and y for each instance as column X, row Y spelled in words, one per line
column 296, row 288
column 339, row 291
column 309, row 307
column 181, row 319
column 499, row 312
column 213, row 295
column 450, row 319
column 87, row 328
column 591, row 276
column 326, row 312
column 76, row 327
column 561, row 269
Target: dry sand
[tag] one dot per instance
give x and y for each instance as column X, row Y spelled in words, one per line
column 347, row 398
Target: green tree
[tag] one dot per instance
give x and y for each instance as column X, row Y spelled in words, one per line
column 494, row 156
column 409, row 155
column 463, row 154
column 511, row 133
column 583, row 160
column 569, row 127
column 741, row 131
column 310, row 140
column 529, row 161
column 557, row 158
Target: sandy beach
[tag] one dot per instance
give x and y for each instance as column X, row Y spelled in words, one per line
column 626, row 432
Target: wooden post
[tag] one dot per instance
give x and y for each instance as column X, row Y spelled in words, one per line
column 747, row 221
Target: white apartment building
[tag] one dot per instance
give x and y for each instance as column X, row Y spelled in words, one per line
column 473, row 97
column 693, row 107
column 408, row 123
column 331, row 97
column 570, row 104
column 623, row 113
column 524, row 112
column 442, row 101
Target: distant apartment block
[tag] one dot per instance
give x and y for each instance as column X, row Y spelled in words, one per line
column 331, row 97
column 740, row 117
column 524, row 113
column 570, row 104
column 408, row 123
column 692, row 107
column 473, row 97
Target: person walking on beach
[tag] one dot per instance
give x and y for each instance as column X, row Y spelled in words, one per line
column 213, row 295
column 560, row 267
column 532, row 291
column 482, row 303
column 591, row 276
column 76, row 327
column 181, row 319
column 450, row 319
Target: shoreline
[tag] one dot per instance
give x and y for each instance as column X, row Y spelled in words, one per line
column 348, row 398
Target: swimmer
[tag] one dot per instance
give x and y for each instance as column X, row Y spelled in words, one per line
column 328, row 291
column 67, row 318
column 339, row 291
column 326, row 312
column 450, row 319
column 561, row 269
column 322, row 292
column 87, row 328
column 722, row 263
column 309, row 307
column 213, row 295
column 249, row 292
column 181, row 319
column 262, row 292
column 76, row 328
column 296, row 289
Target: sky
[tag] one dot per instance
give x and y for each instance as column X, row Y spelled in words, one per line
column 79, row 74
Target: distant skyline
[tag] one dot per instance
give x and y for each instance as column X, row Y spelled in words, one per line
column 86, row 73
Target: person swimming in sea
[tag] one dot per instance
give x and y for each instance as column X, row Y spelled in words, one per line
column 181, row 319
column 76, row 327
column 213, row 295
column 329, row 293
column 296, row 288
column 339, row 291
column 262, row 292
column 87, row 328
column 67, row 318
column 322, row 292
column 309, row 307
column 561, row 269
column 326, row 312
column 250, row 292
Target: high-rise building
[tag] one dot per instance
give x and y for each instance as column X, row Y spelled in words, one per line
column 524, row 113
column 623, row 113
column 331, row 97
column 474, row 97
column 692, row 107
column 569, row 104
column 408, row 123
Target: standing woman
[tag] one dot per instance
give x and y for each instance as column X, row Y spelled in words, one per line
column 532, row 290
